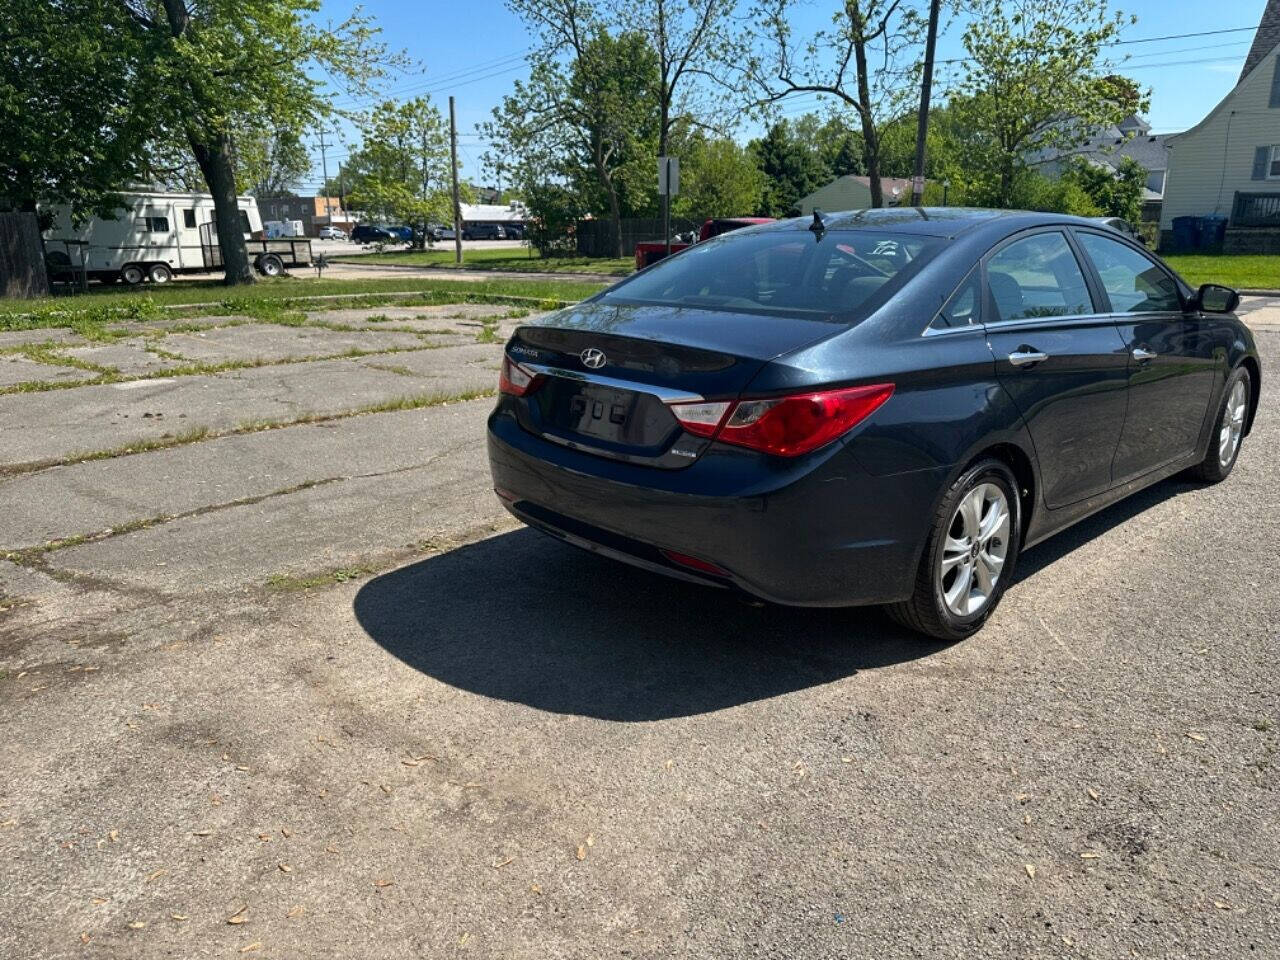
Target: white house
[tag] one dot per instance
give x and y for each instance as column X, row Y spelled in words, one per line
column 1228, row 164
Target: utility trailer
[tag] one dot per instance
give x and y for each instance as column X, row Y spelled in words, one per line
column 269, row 257
column 156, row 235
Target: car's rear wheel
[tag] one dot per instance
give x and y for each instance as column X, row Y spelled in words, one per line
column 160, row 273
column 132, row 274
column 970, row 557
column 1224, row 445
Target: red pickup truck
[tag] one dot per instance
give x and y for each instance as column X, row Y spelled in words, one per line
column 651, row 251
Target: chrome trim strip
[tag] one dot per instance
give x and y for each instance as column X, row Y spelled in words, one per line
column 665, row 394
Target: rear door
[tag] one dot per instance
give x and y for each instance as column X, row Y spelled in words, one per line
column 1060, row 358
column 1175, row 357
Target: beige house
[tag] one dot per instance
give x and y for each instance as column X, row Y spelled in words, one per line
column 852, row 192
column 1228, row 164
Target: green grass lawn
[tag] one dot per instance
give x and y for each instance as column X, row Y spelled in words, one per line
column 1240, row 270
column 105, row 303
column 513, row 258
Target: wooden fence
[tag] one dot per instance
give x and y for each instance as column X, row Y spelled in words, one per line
column 22, row 272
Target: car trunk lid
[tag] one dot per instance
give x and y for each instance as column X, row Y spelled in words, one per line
column 610, row 373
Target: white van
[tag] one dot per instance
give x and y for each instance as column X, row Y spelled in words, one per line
column 154, row 236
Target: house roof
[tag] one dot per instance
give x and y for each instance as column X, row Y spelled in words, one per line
column 1265, row 40
column 1151, row 150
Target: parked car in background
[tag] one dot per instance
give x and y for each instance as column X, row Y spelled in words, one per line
column 438, row 232
column 482, row 231
column 513, row 231
column 880, row 407
column 1120, row 225
column 373, row 233
column 651, row 251
column 332, row 233
column 402, row 233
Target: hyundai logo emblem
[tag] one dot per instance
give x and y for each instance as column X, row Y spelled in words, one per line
column 593, row 357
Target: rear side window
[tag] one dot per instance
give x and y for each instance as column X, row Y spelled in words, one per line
column 189, row 218
column 244, row 222
column 786, row 272
column 964, row 307
column 1037, row 277
column 1133, row 283
column 158, row 224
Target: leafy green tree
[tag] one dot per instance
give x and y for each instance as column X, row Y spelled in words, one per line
column 587, row 123
column 791, row 166
column 271, row 163
column 1034, row 78
column 718, row 178
column 865, row 62
column 231, row 65
column 73, row 123
column 1115, row 192
column 401, row 171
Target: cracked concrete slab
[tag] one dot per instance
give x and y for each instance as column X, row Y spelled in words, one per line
column 275, row 342
column 58, row 335
column 432, row 489
column 16, row 369
column 97, row 495
column 130, row 357
column 67, row 423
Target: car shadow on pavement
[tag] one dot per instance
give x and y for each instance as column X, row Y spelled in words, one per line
column 1074, row 537
column 526, row 618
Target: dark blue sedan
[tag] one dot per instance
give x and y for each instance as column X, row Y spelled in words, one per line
column 880, row 407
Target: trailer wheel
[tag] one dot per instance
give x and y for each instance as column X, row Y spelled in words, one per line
column 132, row 274
column 160, row 273
column 269, row 265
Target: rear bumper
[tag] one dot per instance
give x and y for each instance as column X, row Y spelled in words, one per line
column 818, row 531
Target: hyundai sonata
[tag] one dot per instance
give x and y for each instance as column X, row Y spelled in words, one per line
column 881, row 407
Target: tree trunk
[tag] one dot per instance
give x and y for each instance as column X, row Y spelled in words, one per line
column 213, row 154
column 870, row 140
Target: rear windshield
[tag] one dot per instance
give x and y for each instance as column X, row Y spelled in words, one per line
column 783, row 272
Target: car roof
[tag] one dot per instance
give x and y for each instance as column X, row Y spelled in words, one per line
column 931, row 221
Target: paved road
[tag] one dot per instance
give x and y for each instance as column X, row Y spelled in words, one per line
column 307, row 692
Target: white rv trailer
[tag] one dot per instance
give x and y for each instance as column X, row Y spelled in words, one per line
column 156, row 235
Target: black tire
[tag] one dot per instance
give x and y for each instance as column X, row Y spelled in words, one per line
column 133, row 274
column 160, row 273
column 1216, row 467
column 927, row 611
column 269, row 265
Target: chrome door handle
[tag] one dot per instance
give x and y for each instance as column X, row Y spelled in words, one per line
column 1142, row 353
column 1024, row 358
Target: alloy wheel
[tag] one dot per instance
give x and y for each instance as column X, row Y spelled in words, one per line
column 1233, row 422
column 974, row 550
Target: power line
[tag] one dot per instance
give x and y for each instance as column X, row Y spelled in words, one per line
column 460, row 78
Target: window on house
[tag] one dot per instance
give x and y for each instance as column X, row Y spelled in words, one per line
column 189, row 218
column 1273, row 166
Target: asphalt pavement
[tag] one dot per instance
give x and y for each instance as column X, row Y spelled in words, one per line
column 279, row 678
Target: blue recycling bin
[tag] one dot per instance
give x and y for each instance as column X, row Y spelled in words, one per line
column 1186, row 233
column 1213, row 231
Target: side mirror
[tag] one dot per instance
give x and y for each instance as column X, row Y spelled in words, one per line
column 1215, row 298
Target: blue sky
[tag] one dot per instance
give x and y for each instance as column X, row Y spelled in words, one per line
column 473, row 50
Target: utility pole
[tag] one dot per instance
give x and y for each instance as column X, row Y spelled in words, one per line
column 926, row 85
column 324, row 166
column 453, row 174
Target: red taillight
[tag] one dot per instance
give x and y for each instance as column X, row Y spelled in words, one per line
column 784, row 426
column 694, row 563
column 516, row 380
